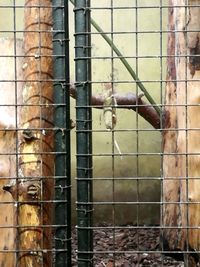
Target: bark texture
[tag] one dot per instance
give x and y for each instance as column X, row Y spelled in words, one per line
column 10, row 95
column 34, row 188
column 181, row 146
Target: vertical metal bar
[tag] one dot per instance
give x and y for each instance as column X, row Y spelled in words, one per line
column 161, row 126
column 187, row 246
column 62, row 134
column 84, row 134
column 113, row 133
column 16, row 125
column 138, row 158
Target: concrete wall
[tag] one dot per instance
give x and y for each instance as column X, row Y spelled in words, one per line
column 129, row 140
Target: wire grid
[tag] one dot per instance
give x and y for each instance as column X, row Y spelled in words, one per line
column 126, row 222
column 130, row 197
column 48, row 230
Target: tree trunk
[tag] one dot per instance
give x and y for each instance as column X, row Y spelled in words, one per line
column 8, row 93
column 34, row 188
column 181, row 146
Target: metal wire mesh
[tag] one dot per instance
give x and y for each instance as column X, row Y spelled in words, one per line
column 135, row 192
column 35, row 134
column 141, row 189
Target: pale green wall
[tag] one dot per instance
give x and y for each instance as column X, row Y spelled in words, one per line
column 129, row 141
column 11, row 17
column 148, row 142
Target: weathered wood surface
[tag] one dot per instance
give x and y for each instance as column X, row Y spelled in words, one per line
column 36, row 164
column 34, row 188
column 181, row 146
column 10, row 95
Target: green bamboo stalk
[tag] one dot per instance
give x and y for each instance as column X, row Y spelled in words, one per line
column 125, row 63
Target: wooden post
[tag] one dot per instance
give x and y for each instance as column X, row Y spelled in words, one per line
column 181, row 146
column 8, row 100
column 36, row 166
column 34, row 188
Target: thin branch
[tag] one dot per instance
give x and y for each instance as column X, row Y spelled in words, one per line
column 125, row 63
column 126, row 101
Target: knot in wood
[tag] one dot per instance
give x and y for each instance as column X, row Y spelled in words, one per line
column 28, row 135
column 33, row 190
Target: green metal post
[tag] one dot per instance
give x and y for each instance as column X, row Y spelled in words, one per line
column 84, row 134
column 62, row 134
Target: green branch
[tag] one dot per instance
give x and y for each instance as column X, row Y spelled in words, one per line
column 125, row 63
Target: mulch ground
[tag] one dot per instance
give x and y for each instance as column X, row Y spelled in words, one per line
column 117, row 248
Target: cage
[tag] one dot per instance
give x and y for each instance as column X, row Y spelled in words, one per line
column 99, row 133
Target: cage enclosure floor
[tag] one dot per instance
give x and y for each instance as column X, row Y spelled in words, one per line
column 126, row 240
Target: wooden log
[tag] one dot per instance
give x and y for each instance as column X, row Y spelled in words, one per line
column 10, row 95
column 34, row 188
column 36, row 161
column 181, row 146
